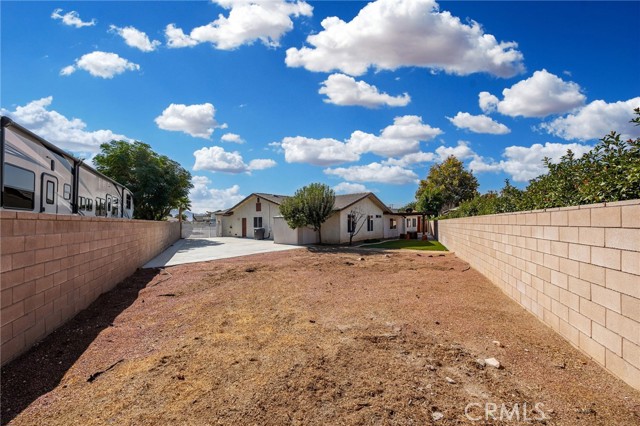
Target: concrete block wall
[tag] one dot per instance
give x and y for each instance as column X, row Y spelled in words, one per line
column 53, row 266
column 577, row 269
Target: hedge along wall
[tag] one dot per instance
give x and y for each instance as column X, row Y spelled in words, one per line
column 53, row 266
column 577, row 269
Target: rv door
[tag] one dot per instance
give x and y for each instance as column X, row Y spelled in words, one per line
column 49, row 194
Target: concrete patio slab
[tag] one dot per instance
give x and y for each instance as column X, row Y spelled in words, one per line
column 205, row 249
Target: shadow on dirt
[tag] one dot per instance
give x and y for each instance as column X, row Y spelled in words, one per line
column 40, row 370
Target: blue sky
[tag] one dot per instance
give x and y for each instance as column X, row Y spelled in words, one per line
column 267, row 96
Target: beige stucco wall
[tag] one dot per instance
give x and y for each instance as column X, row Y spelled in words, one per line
column 231, row 226
column 338, row 223
column 577, row 269
column 53, row 266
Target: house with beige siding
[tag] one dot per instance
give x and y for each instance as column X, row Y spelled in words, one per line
column 364, row 212
column 256, row 211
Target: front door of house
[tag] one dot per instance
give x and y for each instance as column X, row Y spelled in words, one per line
column 244, row 227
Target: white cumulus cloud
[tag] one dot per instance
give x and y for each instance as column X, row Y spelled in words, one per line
column 195, row 120
column 346, row 91
column 320, row 152
column 72, row 19
column 400, row 138
column 540, row 95
column 176, row 37
column 204, row 198
column 524, row 163
column 410, row 159
column 101, row 64
column 488, row 102
column 350, row 188
column 462, row 151
column 68, row 134
column 388, row 34
column 261, row 164
column 375, row 172
column 595, row 120
column 216, row 159
column 232, row 137
column 135, row 38
column 248, row 21
column 479, row 124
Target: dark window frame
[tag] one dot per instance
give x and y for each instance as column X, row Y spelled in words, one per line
column 21, row 192
column 257, row 222
column 50, row 190
column 66, row 191
column 370, row 223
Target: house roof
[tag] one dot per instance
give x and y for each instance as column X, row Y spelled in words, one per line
column 347, row 200
column 274, row 198
column 342, row 201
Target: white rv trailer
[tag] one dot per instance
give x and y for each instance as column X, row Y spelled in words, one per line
column 40, row 177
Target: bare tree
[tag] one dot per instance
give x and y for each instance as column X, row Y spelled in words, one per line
column 355, row 222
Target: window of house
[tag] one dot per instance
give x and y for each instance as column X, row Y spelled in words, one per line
column 66, row 191
column 257, row 222
column 50, row 192
column 393, row 224
column 369, row 223
column 351, row 223
column 414, row 222
column 408, row 222
column 19, row 188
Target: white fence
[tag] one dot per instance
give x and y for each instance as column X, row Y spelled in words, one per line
column 198, row 230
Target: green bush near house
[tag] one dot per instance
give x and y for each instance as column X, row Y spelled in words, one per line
column 409, row 244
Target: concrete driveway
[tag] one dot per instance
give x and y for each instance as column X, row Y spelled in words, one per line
column 204, row 249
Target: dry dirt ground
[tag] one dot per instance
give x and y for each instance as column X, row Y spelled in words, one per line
column 317, row 337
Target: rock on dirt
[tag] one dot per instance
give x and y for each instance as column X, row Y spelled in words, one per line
column 492, row 362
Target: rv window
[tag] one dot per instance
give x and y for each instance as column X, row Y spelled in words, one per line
column 115, row 209
column 81, row 203
column 67, row 191
column 128, row 201
column 108, row 209
column 100, row 210
column 51, row 192
column 89, row 205
column 19, row 188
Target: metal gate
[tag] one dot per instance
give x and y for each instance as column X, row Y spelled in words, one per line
column 198, row 230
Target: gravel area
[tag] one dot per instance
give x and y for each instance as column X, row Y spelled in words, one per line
column 319, row 336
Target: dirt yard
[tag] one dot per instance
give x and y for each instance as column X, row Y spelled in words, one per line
column 318, row 337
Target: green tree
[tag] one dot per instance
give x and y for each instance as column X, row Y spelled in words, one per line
column 510, row 199
column 430, row 200
column 310, row 206
column 454, row 183
column 157, row 182
column 183, row 204
column 609, row 172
